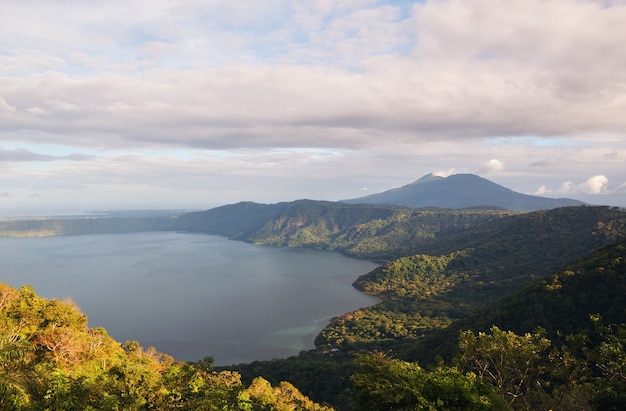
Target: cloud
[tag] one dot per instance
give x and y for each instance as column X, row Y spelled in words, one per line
column 445, row 173
column 542, row 191
column 492, row 166
column 98, row 96
column 594, row 185
column 494, row 29
column 23, row 155
column 615, row 155
column 541, row 163
column 355, row 74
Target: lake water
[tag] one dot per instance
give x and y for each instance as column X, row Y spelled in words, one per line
column 192, row 295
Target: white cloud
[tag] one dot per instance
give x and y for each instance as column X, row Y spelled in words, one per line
column 542, row 191
column 567, row 187
column 594, row 185
column 492, row 166
column 445, row 173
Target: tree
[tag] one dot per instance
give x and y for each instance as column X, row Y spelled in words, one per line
column 261, row 396
column 610, row 359
column 515, row 364
column 383, row 383
column 13, row 391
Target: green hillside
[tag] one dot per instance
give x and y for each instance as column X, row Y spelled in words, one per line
column 372, row 232
column 560, row 303
column 426, row 291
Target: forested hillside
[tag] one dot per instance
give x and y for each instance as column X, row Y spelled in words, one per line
column 365, row 231
column 565, row 347
column 373, row 232
column 560, row 303
column 426, row 291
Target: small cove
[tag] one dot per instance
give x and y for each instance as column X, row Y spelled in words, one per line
column 192, row 295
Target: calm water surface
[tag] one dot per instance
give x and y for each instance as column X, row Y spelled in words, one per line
column 191, row 295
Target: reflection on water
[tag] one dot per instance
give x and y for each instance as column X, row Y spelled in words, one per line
column 191, row 295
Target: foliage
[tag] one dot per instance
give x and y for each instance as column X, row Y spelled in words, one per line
column 383, row 383
column 534, row 373
column 50, row 359
column 610, row 360
column 513, row 363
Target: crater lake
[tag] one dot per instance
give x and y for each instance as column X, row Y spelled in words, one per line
column 192, row 295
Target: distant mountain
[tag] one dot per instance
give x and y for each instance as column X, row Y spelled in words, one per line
column 234, row 221
column 462, row 191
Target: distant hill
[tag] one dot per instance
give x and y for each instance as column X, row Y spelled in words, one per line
column 234, row 221
column 462, row 191
column 377, row 232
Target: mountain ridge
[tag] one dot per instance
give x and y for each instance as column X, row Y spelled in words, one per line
column 462, row 191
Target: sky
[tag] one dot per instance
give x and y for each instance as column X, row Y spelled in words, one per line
column 191, row 104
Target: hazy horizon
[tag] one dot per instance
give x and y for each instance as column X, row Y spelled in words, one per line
column 77, row 212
